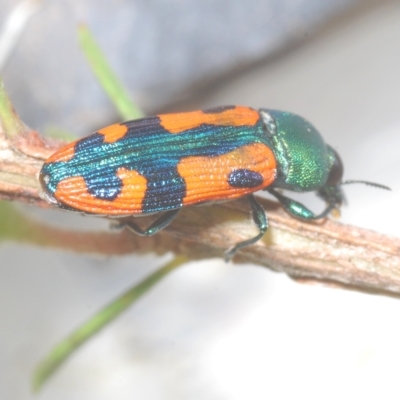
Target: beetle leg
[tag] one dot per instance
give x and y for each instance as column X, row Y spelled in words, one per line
column 298, row 210
column 159, row 224
column 261, row 221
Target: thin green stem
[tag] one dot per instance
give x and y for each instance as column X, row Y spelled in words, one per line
column 61, row 352
column 9, row 120
column 107, row 78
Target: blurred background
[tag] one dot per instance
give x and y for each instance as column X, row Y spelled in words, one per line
column 210, row 330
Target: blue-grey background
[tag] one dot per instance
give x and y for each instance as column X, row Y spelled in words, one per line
column 163, row 50
column 211, row 330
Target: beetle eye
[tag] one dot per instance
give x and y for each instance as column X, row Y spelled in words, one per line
column 336, row 172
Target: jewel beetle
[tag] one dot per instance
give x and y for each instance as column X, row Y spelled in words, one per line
column 169, row 161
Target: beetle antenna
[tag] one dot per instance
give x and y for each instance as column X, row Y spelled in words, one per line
column 377, row 185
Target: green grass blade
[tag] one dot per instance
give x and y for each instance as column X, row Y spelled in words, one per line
column 108, row 80
column 59, row 354
column 9, row 120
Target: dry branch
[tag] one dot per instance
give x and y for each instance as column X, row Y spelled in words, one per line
column 324, row 250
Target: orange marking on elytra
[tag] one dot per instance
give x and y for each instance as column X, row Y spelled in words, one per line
column 180, row 122
column 73, row 192
column 206, row 178
column 112, row 133
column 66, row 153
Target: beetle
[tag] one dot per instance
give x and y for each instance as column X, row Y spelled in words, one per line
column 169, row 161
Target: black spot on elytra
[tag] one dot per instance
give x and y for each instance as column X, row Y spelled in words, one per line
column 104, row 186
column 165, row 190
column 245, row 178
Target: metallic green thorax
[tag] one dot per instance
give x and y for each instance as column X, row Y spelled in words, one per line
column 303, row 157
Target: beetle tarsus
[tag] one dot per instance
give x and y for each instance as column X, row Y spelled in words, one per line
column 261, row 221
column 159, row 224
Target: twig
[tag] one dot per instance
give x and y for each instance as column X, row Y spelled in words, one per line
column 325, row 250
